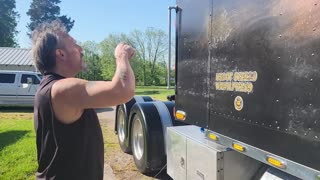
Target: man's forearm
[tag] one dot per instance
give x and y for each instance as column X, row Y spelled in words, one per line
column 124, row 74
column 124, row 77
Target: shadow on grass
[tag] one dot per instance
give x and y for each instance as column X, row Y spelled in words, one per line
column 10, row 137
column 16, row 109
column 147, row 92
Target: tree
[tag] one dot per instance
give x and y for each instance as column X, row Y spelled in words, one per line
column 92, row 60
column 46, row 10
column 151, row 45
column 8, row 23
column 107, row 47
column 149, row 62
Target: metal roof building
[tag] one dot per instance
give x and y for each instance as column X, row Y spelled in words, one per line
column 16, row 59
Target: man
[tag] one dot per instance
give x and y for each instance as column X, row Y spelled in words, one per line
column 69, row 137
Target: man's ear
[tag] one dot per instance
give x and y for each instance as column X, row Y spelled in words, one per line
column 59, row 53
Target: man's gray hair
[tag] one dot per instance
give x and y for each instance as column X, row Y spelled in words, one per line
column 46, row 38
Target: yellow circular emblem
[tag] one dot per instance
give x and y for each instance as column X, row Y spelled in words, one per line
column 238, row 103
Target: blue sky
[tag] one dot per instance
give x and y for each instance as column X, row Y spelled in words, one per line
column 96, row 19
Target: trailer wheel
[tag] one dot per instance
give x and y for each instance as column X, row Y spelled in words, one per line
column 147, row 135
column 138, row 144
column 121, row 122
column 121, row 128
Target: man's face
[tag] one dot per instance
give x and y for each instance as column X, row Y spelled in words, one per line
column 72, row 54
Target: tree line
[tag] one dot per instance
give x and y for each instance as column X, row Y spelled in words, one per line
column 149, row 63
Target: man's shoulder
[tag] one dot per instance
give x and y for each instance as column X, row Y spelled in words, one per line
column 68, row 82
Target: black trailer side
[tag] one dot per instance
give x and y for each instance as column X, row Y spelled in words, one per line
column 250, row 70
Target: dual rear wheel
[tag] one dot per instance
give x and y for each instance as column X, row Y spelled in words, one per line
column 141, row 131
column 122, row 121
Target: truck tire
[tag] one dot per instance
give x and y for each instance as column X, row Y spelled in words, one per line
column 138, row 138
column 121, row 123
column 148, row 122
column 121, row 128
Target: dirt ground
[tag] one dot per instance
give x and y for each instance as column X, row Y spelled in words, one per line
column 119, row 165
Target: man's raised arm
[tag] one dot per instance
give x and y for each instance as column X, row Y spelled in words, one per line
column 75, row 95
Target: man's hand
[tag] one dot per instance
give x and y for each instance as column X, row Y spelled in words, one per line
column 123, row 51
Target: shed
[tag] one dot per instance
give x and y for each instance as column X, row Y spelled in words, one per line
column 16, row 59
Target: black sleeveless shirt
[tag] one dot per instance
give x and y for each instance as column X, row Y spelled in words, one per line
column 66, row 151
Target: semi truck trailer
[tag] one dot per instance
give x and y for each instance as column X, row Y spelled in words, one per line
column 247, row 95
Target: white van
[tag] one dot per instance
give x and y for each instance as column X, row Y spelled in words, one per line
column 18, row 87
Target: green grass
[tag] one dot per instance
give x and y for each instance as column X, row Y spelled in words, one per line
column 156, row 92
column 18, row 158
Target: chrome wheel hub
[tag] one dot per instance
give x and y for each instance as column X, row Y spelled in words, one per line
column 121, row 118
column 137, row 139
